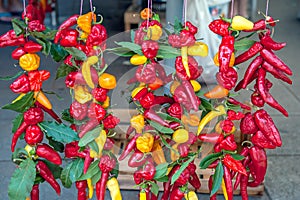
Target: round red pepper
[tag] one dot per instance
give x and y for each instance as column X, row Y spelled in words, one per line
column 33, row 135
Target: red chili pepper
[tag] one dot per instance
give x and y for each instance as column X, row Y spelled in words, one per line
column 11, row 39
column 33, row 135
column 35, row 192
column 243, row 187
column 129, row 147
column 219, row 27
column 147, row 100
column 183, row 150
column 21, row 84
column 151, row 115
column 87, row 161
column 69, row 38
column 35, row 25
column 96, row 111
column 137, row 159
column 235, row 102
column 140, row 94
column 110, row 121
column 260, row 140
column 47, row 152
column 191, row 28
column 234, row 165
column 185, row 38
column 266, row 125
column 213, row 138
column 163, row 99
column 72, row 150
column 31, row 117
column 267, row 97
column 49, row 111
column 276, row 72
column 46, row 174
column 99, row 94
column 146, row 74
column 269, row 43
column 97, row 36
column 228, row 182
column 194, row 178
column 176, row 193
column 226, row 125
column 89, row 125
column 18, row 53
column 106, row 164
column 228, row 143
column 210, row 184
column 246, row 162
column 32, row 47
column 139, row 36
column 150, row 48
column 239, row 85
column 226, row 49
column 258, row 165
column 248, row 125
column 254, row 65
column 78, row 111
column 227, row 78
column 81, row 189
column 252, row 51
column 130, row 130
column 70, row 79
column 71, row 21
column 194, row 68
column 167, row 185
column 109, row 144
column 271, row 58
column 36, row 79
column 148, row 171
column 258, row 25
column 257, row 100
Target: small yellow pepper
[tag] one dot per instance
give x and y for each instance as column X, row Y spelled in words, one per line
column 114, row 189
column 173, row 86
column 185, row 62
column 174, row 154
column 42, row 99
column 100, row 140
column 158, row 153
column 138, row 59
column 29, row 61
column 143, row 195
column 180, row 136
column 86, row 70
column 224, row 189
column 198, row 49
column 191, row 195
column 81, row 94
column 240, row 23
column 106, row 102
column 154, row 32
column 220, row 110
column 190, row 119
column 138, row 123
column 84, row 22
column 107, row 81
column 145, row 142
column 196, row 85
column 90, row 187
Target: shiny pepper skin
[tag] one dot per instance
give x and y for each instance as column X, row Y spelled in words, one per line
column 191, row 28
column 148, row 100
column 18, row 53
column 33, row 135
column 114, row 188
column 47, row 152
column 96, row 111
column 36, row 78
column 248, row 125
column 227, row 78
column 154, row 32
column 32, row 47
column 107, row 81
column 234, row 165
column 150, row 48
column 138, row 59
column 175, row 110
column 146, row 74
column 97, row 36
column 145, row 142
column 81, row 189
column 20, row 85
column 70, row 79
column 219, row 27
column 78, row 111
column 138, row 123
column 110, row 122
column 69, row 38
column 195, row 70
column 82, row 94
column 240, row 23
column 35, row 25
column 84, row 21
column 29, row 62
column 100, row 94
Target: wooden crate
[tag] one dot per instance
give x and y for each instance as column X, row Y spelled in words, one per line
column 125, row 174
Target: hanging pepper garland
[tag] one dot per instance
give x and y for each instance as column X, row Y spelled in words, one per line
column 160, row 138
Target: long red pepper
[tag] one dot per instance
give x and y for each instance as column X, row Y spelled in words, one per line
column 276, row 72
column 71, row 21
column 243, row 187
column 129, row 147
column 151, row 115
column 81, row 189
column 225, row 51
column 260, row 140
column 240, row 84
column 191, row 94
column 252, row 51
column 194, row 178
column 254, row 65
column 211, row 137
column 176, row 193
column 236, row 102
column 267, row 97
column 49, row 111
column 271, row 58
column 269, row 43
column 228, row 182
column 35, row 192
column 258, row 25
column 258, row 165
column 167, row 185
column 87, row 162
column 47, row 152
column 210, row 184
column 234, row 165
column 137, row 159
column 46, row 174
column 92, row 123
column 246, row 162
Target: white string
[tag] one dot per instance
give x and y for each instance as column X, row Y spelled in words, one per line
column 232, row 8
column 267, row 8
column 81, row 6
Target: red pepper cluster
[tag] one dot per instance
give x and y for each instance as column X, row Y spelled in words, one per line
column 35, row 10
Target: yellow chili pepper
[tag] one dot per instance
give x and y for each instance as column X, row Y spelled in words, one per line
column 136, row 90
column 81, row 94
column 190, row 119
column 138, row 123
column 29, row 61
column 90, row 187
column 100, row 140
column 114, row 189
column 145, row 142
column 220, row 110
column 143, row 195
column 240, row 23
column 180, row 136
column 174, row 154
column 158, row 153
column 191, row 195
column 107, row 81
column 86, row 70
column 154, row 32
column 83, row 35
column 42, row 99
column 196, row 85
column 185, row 62
column 198, row 49
column 84, row 22
column 173, row 86
column 224, row 189
column 138, row 59
column 231, row 62
column 106, row 102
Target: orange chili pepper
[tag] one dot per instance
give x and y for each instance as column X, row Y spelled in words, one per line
column 146, row 13
column 217, row 92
